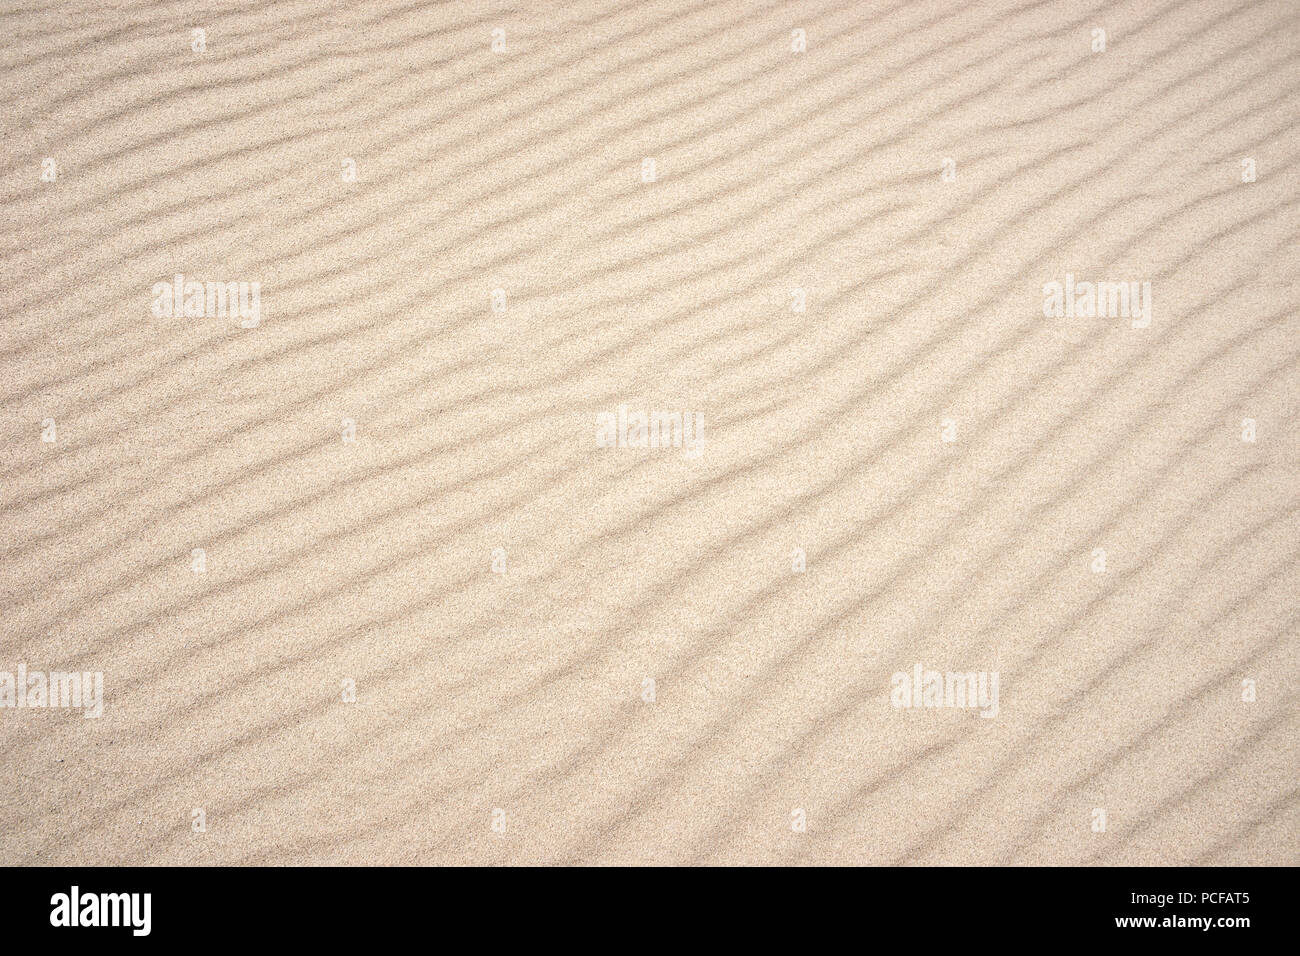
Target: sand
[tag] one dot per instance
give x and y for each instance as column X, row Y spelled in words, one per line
column 378, row 571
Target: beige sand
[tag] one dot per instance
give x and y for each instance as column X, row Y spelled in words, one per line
column 805, row 273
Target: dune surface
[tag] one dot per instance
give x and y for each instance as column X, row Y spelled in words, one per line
column 699, row 432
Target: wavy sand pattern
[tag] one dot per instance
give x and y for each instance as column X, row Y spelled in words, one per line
column 463, row 259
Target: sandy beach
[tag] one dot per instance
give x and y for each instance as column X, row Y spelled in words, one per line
column 650, row 433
